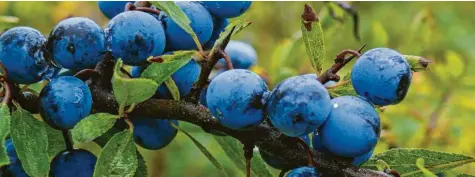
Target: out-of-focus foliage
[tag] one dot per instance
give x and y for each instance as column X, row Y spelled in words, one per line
column 438, row 112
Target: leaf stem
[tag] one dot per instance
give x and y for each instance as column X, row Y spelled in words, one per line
column 229, row 63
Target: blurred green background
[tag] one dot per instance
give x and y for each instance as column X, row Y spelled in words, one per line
column 438, row 113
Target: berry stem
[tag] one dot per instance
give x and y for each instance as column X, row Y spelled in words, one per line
column 229, row 63
column 7, row 91
column 68, row 140
column 248, row 153
column 310, row 161
column 130, row 6
column 4, row 70
column 283, row 172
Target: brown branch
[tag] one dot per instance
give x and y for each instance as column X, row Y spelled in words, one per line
column 7, row 91
column 340, row 61
column 206, row 67
column 85, row 74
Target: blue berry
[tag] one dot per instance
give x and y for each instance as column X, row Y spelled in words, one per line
column 242, row 55
column 303, row 172
column 363, row 158
column 227, row 9
column 203, row 97
column 219, row 25
column 298, row 105
column 134, row 36
column 14, row 168
column 22, row 53
column 382, row 76
column 77, row 43
column 153, row 134
column 184, row 79
column 352, row 128
column 112, row 8
column 234, row 97
column 64, row 102
column 201, row 23
column 77, row 162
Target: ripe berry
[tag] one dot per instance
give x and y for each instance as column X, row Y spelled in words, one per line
column 352, row 128
column 134, row 36
column 64, row 102
column 153, row 134
column 363, row 158
column 242, row 55
column 77, row 162
column 111, row 8
column 77, row 43
column 234, row 98
column 184, row 79
column 219, row 26
column 303, row 172
column 227, row 9
column 314, row 76
column 298, row 105
column 201, row 23
column 22, row 52
column 14, row 168
column 382, row 76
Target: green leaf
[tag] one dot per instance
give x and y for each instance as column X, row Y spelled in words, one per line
column 179, row 17
column 9, row 19
column 118, row 157
column 232, row 29
column 203, row 150
column 417, row 63
column 343, row 89
column 56, row 142
column 129, row 91
column 404, row 161
column 465, row 175
column 172, row 88
column 420, row 165
column 234, row 150
column 31, row 142
column 92, row 127
column 141, row 166
column 312, row 34
column 160, row 72
column 5, row 119
column 381, row 165
column 283, row 55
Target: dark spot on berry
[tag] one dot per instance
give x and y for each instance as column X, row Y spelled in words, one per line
column 71, row 48
column 402, row 88
column 297, row 118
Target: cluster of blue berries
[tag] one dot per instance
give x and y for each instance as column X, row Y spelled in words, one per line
column 346, row 126
column 78, row 43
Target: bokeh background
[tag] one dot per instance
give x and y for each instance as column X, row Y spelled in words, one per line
column 438, row 112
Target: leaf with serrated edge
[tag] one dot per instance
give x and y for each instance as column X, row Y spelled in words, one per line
column 179, row 17
column 160, row 72
column 129, row 91
column 55, row 141
column 238, row 26
column 141, row 166
column 118, row 157
column 4, row 131
column 312, row 34
column 171, row 85
column 404, row 161
column 203, row 150
column 92, row 127
column 234, row 150
column 30, row 139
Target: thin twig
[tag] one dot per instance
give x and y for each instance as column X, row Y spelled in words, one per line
column 229, row 63
column 330, row 74
column 8, row 94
